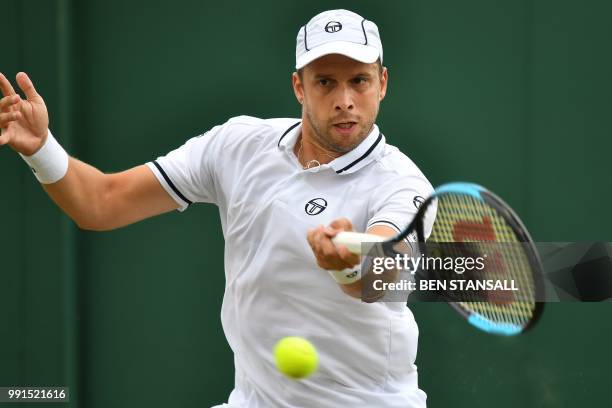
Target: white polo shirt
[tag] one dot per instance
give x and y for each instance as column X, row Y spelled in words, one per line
column 274, row 287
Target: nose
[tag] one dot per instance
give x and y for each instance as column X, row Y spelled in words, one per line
column 344, row 100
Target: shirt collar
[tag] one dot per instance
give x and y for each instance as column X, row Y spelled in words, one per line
column 366, row 152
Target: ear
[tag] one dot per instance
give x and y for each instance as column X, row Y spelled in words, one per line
column 298, row 88
column 384, row 77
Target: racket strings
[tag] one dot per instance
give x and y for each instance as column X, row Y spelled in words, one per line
column 484, row 233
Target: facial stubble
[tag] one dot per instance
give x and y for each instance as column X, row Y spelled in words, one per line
column 324, row 139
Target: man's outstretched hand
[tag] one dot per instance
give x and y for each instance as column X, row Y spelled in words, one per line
column 24, row 123
column 328, row 255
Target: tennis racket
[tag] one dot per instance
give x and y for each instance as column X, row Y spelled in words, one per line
column 472, row 220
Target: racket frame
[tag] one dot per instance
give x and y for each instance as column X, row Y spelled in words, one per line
column 513, row 221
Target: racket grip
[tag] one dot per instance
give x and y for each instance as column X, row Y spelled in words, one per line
column 347, row 275
column 353, row 240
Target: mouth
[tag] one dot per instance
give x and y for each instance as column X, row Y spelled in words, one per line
column 345, row 127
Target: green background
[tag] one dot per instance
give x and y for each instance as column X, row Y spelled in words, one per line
column 514, row 95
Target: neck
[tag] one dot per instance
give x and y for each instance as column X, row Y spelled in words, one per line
column 308, row 151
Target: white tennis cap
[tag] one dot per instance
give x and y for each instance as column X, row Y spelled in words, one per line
column 338, row 32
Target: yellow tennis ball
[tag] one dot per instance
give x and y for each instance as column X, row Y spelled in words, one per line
column 295, row 357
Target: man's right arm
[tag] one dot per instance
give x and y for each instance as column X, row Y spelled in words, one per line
column 94, row 200
column 101, row 202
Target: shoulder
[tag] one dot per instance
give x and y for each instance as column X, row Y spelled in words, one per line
column 393, row 162
column 396, row 168
column 249, row 125
column 245, row 132
column 249, row 131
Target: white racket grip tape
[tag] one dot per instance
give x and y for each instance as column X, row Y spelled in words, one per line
column 50, row 162
column 353, row 240
column 347, row 275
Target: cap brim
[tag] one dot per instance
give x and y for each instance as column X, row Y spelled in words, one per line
column 359, row 52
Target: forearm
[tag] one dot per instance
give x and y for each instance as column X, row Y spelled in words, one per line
column 81, row 194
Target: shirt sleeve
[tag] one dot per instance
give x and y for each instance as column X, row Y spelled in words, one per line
column 396, row 202
column 188, row 173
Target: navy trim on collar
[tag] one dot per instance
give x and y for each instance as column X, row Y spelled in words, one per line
column 287, row 131
column 363, row 156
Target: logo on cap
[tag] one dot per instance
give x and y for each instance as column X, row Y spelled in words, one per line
column 333, row 27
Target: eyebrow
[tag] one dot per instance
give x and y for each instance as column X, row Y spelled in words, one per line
column 323, row 76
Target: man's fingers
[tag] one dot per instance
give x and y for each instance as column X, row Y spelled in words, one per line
column 342, row 224
column 8, row 101
column 330, row 232
column 347, row 256
column 318, row 237
column 328, row 255
column 328, row 251
column 5, row 86
column 4, row 137
column 336, row 226
column 312, row 240
column 7, row 117
column 26, row 86
column 327, row 248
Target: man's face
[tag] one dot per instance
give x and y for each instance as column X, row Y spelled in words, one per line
column 340, row 99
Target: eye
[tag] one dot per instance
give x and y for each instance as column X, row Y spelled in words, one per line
column 323, row 82
column 360, row 80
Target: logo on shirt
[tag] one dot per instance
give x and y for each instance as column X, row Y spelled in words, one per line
column 315, row 206
column 333, row 27
column 418, row 201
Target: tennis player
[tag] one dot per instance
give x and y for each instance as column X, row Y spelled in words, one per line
column 284, row 188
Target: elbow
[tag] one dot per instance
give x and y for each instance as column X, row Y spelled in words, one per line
column 89, row 225
column 95, row 217
column 94, row 221
column 82, row 225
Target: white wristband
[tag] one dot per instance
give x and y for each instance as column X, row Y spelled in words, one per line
column 346, row 276
column 50, row 162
